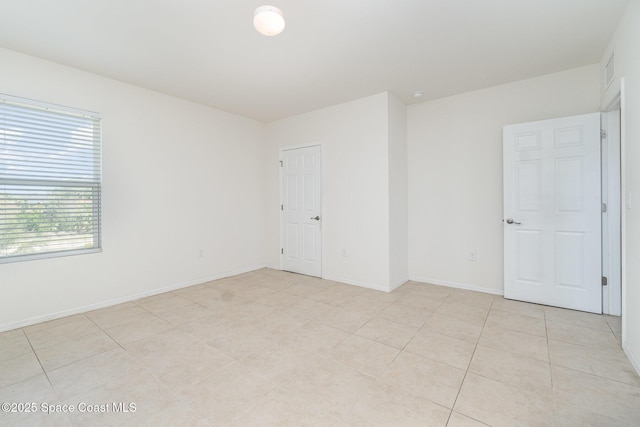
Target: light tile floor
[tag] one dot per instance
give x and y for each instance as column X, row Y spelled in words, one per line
column 272, row 348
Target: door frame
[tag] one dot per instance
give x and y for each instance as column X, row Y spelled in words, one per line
column 612, row 220
column 624, row 205
column 322, row 200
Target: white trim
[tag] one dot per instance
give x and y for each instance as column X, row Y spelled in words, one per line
column 456, row 285
column 49, row 255
column 280, row 212
column 298, row 146
column 623, row 205
column 103, row 304
column 394, row 286
column 611, row 230
column 274, row 267
column 635, row 360
column 605, row 239
column 357, row 283
column 360, row 284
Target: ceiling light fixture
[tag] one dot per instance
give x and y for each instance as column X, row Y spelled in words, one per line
column 268, row 20
column 418, row 94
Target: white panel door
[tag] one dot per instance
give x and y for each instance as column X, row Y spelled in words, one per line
column 552, row 212
column 301, row 211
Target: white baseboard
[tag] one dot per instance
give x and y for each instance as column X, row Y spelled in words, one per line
column 103, row 304
column 352, row 282
column 396, row 285
column 633, row 358
column 360, row 284
column 456, row 285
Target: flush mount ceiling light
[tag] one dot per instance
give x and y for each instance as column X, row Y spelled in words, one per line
column 418, row 94
column 268, row 20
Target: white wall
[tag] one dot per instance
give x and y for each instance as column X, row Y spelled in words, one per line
column 177, row 177
column 626, row 44
column 355, row 163
column 398, row 194
column 455, row 172
column 162, row 154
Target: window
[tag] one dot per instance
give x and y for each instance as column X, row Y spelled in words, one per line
column 50, row 180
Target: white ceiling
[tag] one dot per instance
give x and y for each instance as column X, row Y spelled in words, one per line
column 330, row 52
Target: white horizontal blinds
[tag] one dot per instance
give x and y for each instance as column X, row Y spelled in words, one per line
column 50, row 180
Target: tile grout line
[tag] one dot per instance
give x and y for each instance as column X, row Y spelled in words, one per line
column 39, row 362
column 81, row 336
column 577, row 345
column 107, row 334
column 278, row 387
column 470, row 361
column 407, row 343
column 44, row 372
column 546, row 333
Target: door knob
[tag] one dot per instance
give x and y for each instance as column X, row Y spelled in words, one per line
column 317, row 218
column 511, row 221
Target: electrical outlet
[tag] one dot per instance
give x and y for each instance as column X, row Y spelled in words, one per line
column 344, row 253
column 472, row 256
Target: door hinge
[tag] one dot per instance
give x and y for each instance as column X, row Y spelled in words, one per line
column 604, row 281
column 603, row 134
column 282, row 251
column 281, row 207
column 604, row 207
column 281, row 164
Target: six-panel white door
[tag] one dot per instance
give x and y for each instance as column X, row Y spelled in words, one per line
column 301, row 211
column 552, row 212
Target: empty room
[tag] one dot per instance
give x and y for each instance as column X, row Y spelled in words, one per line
column 304, row 213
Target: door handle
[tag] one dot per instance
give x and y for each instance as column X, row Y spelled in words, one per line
column 511, row 221
column 317, row 218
